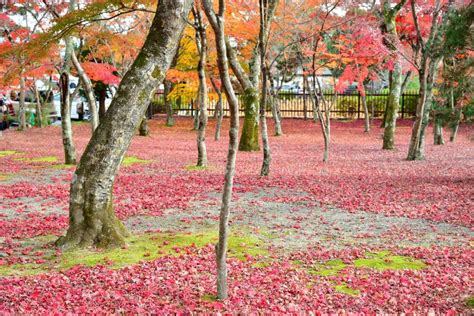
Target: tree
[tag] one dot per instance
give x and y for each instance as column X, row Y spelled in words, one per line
column 92, row 218
column 389, row 29
column 217, row 23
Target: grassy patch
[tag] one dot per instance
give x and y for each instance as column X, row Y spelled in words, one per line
column 4, row 177
column 130, row 160
column 63, row 166
column 385, row 261
column 195, row 168
column 343, row 288
column 4, row 153
column 50, row 159
column 328, row 268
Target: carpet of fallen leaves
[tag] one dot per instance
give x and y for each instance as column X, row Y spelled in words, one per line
column 359, row 176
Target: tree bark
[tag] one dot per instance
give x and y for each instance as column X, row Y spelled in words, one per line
column 87, row 84
column 144, row 130
column 68, row 144
column 219, row 110
column 92, row 220
column 203, row 98
column 438, row 132
column 455, row 126
column 390, row 30
column 39, row 112
column 366, row 111
column 22, row 107
column 168, row 103
column 217, row 23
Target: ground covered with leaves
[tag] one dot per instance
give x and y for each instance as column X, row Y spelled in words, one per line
column 366, row 232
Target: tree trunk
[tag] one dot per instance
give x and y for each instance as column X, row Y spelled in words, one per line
column 327, row 137
column 249, row 137
column 276, row 116
column 438, row 132
column 217, row 23
column 87, row 84
column 102, row 91
column 366, row 112
column 219, row 110
column 68, row 144
column 22, row 107
column 92, row 220
column 39, row 112
column 392, row 107
column 455, row 125
column 203, row 99
column 414, row 152
column 168, row 103
column 144, row 130
column 390, row 85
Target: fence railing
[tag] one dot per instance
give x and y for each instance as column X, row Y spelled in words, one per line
column 299, row 105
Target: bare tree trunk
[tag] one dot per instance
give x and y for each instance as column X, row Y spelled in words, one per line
column 414, row 151
column 92, row 220
column 102, row 92
column 39, row 112
column 68, row 144
column 455, row 126
column 22, row 108
column 267, row 9
column 87, row 84
column 219, row 110
column 217, row 23
column 168, row 103
column 203, row 99
column 144, row 130
column 438, row 132
column 366, row 111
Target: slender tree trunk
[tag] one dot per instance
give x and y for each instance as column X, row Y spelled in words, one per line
column 87, row 85
column 39, row 112
column 92, row 220
column 217, row 23
column 438, row 132
column 22, row 108
column 414, row 152
column 390, row 85
column 366, row 112
column 392, row 107
column 219, row 110
column 203, row 99
column 144, row 130
column 455, row 125
column 168, row 103
column 276, row 116
column 102, row 96
column 68, row 144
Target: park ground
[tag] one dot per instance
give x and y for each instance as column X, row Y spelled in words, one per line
column 367, row 232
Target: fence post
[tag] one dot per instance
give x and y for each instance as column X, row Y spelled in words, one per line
column 358, row 104
column 403, row 105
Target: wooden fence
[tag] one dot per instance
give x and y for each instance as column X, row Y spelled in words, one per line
column 299, row 105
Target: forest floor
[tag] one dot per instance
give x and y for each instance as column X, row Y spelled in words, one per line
column 366, row 232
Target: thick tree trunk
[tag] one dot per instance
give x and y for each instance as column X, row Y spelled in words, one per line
column 22, row 107
column 68, row 144
column 87, row 85
column 390, row 82
column 414, row 151
column 91, row 216
column 217, row 23
column 144, row 130
column 249, row 137
column 392, row 107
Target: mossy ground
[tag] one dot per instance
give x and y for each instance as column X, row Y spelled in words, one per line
column 196, row 168
column 131, row 160
column 50, row 159
column 4, row 153
column 140, row 247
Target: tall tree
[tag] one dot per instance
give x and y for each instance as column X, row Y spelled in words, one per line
column 217, row 23
column 389, row 28
column 92, row 220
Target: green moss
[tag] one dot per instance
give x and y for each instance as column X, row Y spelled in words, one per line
column 130, row 160
column 470, row 302
column 63, row 166
column 385, row 261
column 156, row 72
column 343, row 288
column 4, row 153
column 328, row 268
column 209, row 297
column 23, row 269
column 39, row 159
column 196, row 168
